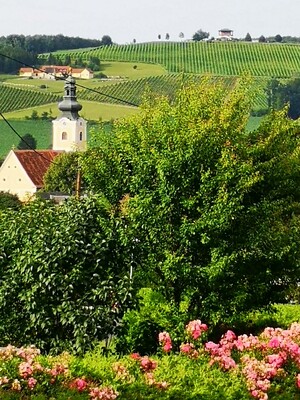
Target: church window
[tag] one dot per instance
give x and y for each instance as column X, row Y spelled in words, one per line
column 64, row 136
column 80, row 136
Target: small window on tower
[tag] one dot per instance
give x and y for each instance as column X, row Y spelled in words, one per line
column 64, row 136
column 80, row 136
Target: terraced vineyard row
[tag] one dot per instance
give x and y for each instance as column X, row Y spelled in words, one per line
column 258, row 59
column 12, row 98
column 131, row 92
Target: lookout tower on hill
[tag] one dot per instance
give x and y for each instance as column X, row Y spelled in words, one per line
column 69, row 129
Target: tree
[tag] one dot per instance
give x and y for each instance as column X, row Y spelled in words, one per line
column 9, row 201
column 64, row 274
column 248, row 37
column 106, row 40
column 159, row 36
column 262, row 39
column 27, row 142
column 278, row 38
column 280, row 94
column 62, row 174
column 167, row 36
column 212, row 209
column 200, row 35
column 181, row 35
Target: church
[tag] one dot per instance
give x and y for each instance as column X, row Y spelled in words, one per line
column 22, row 171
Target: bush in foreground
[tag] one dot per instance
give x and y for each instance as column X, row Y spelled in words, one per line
column 266, row 366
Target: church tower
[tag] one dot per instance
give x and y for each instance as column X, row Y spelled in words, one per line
column 69, row 129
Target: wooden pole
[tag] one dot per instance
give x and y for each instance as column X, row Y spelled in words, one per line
column 78, row 183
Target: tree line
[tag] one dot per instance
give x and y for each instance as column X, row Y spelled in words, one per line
column 26, row 48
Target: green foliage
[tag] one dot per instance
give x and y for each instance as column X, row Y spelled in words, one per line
column 200, row 35
column 9, row 200
column 282, row 93
column 248, row 37
column 212, row 211
column 140, row 327
column 61, row 175
column 64, row 276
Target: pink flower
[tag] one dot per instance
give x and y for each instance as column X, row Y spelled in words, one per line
column 105, row 393
column 25, row 369
column 212, row 347
column 196, row 328
column 230, row 336
column 31, row 383
column 167, row 347
column 274, row 342
column 135, row 356
column 165, row 339
column 147, row 364
column 79, row 384
column 186, row 348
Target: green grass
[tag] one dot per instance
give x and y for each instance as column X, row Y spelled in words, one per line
column 126, row 69
column 40, row 130
column 91, row 111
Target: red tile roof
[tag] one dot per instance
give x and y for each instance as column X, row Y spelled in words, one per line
column 36, row 163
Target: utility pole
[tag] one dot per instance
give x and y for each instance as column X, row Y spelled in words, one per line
column 78, row 183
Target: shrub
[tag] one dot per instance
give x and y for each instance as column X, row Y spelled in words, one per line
column 64, row 275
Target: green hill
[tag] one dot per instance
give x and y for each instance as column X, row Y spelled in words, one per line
column 217, row 58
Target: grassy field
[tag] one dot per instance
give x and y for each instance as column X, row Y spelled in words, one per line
column 40, row 130
column 91, row 111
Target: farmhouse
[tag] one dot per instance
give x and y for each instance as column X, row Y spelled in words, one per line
column 22, row 171
column 56, row 72
column 225, row 34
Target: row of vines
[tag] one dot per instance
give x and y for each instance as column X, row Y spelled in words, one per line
column 131, row 92
column 258, row 59
column 13, row 98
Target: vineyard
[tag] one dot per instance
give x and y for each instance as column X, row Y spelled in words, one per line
column 14, row 98
column 183, row 62
column 131, row 92
column 233, row 59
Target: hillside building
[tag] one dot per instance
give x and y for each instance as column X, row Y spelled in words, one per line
column 225, row 34
column 55, row 72
column 22, row 171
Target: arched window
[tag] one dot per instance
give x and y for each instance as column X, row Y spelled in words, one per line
column 80, row 136
column 64, row 136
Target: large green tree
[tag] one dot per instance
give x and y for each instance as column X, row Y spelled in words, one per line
column 64, row 281
column 282, row 93
column 212, row 211
column 62, row 174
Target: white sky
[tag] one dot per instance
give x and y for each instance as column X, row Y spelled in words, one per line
column 143, row 20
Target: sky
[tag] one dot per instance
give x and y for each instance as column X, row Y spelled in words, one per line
column 144, row 20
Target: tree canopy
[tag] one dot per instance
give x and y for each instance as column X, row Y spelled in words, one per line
column 211, row 211
column 285, row 93
column 64, row 274
column 200, row 35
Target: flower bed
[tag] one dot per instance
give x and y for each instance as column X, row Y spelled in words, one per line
column 266, row 366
